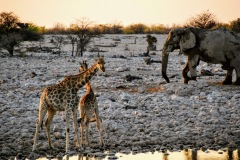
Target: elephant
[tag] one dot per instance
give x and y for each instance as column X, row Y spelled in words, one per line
column 218, row 46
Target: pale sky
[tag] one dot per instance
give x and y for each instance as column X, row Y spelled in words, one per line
column 49, row 12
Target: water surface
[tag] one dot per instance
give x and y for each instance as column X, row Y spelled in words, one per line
column 168, row 155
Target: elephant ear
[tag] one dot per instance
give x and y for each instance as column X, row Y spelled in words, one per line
column 187, row 41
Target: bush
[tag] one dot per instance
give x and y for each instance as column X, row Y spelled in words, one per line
column 235, row 25
column 84, row 33
column 12, row 32
column 135, row 29
column 205, row 20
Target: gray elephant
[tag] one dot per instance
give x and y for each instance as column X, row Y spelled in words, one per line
column 219, row 46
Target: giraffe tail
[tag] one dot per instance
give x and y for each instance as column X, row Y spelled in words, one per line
column 42, row 123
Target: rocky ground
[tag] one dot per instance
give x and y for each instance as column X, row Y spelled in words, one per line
column 139, row 110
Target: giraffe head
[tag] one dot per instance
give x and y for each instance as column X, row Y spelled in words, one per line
column 83, row 66
column 100, row 63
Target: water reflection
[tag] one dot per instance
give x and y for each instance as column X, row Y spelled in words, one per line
column 191, row 154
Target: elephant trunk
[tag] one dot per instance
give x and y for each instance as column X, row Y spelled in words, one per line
column 164, row 64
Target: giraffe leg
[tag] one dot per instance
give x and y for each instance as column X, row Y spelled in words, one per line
column 48, row 122
column 67, row 113
column 82, row 113
column 99, row 121
column 82, row 133
column 75, row 126
column 41, row 114
column 87, row 133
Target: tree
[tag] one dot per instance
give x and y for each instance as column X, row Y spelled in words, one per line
column 205, row 20
column 235, row 25
column 8, row 22
column 59, row 42
column 58, row 28
column 82, row 28
column 13, row 32
column 73, row 40
column 116, row 28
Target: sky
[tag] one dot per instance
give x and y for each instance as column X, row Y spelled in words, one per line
column 168, row 12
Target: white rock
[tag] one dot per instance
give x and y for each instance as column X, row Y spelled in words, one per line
column 122, row 69
column 184, row 90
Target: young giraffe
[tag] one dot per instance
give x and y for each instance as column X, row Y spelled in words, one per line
column 87, row 106
column 63, row 97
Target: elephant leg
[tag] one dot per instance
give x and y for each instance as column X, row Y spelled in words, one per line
column 184, row 74
column 237, row 69
column 193, row 61
column 237, row 82
column 228, row 79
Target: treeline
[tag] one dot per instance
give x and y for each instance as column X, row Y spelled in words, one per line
column 141, row 28
column 80, row 33
column 204, row 20
column 116, row 28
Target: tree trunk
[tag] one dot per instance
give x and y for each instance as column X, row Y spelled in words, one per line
column 72, row 49
column 81, row 52
column 10, row 50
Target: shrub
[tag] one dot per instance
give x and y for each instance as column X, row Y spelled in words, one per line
column 135, row 29
column 12, row 32
column 205, row 20
column 82, row 29
column 235, row 25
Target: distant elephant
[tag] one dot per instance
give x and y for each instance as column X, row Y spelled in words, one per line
column 219, row 46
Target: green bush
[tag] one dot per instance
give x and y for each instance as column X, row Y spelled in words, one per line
column 13, row 32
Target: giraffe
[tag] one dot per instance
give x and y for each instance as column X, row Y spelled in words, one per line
column 63, row 97
column 87, row 106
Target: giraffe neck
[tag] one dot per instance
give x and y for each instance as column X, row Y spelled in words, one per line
column 80, row 80
column 89, row 88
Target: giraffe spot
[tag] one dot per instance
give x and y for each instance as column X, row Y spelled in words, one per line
column 83, row 82
column 74, row 90
column 57, row 102
column 79, row 85
column 50, row 101
column 50, row 97
column 76, row 85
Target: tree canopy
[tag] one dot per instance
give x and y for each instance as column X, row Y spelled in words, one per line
column 13, row 32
